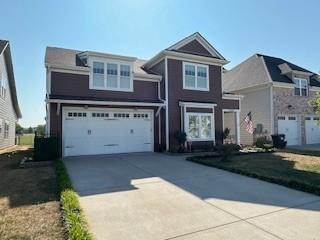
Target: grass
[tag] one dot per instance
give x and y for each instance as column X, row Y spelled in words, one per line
column 29, row 200
column 26, row 139
column 74, row 220
column 296, row 170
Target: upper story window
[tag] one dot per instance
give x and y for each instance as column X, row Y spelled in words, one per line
column 111, row 76
column 195, row 77
column 3, row 88
column 300, row 87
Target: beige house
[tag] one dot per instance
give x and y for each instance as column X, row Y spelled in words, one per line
column 9, row 108
column 276, row 92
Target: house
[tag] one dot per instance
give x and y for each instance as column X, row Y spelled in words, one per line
column 100, row 103
column 277, row 93
column 9, row 107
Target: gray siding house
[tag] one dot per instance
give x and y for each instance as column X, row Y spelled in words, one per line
column 100, row 103
column 9, row 108
column 276, row 92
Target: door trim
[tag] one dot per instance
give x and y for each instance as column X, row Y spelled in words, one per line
column 90, row 109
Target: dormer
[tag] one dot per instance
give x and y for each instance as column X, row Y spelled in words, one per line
column 108, row 71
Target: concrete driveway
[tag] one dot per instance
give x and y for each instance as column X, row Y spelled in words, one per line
column 158, row 196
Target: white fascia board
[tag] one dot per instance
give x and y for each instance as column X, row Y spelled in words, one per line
column 254, row 87
column 111, row 56
column 89, row 102
column 197, row 105
column 283, row 85
column 313, row 88
column 147, row 77
column 232, row 96
column 64, row 68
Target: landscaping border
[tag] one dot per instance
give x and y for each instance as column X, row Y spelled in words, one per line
column 73, row 217
column 280, row 181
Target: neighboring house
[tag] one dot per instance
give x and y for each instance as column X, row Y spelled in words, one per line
column 276, row 92
column 99, row 103
column 9, row 108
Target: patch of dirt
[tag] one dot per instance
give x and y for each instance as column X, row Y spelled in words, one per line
column 29, row 203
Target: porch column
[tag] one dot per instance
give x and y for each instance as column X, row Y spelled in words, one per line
column 238, row 126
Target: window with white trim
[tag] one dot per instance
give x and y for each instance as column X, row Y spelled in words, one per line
column 6, row 129
column 199, row 126
column 300, row 87
column 3, row 88
column 111, row 76
column 195, row 76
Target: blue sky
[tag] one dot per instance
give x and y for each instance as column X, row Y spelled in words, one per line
column 141, row 28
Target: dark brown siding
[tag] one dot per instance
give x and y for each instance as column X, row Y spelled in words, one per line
column 177, row 93
column 68, row 84
column 56, row 121
column 199, row 110
column 230, row 104
column 196, row 48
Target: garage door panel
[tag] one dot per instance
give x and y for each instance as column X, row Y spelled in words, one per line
column 288, row 125
column 107, row 132
column 312, row 130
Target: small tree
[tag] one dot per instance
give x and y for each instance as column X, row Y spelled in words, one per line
column 19, row 129
column 315, row 103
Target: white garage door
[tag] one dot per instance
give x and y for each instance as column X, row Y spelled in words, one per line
column 105, row 131
column 288, row 125
column 312, row 130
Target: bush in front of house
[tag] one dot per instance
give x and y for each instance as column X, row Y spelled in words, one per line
column 45, row 148
column 73, row 217
column 263, row 142
column 226, row 150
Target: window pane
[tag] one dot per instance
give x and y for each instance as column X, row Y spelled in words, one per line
column 304, row 83
column 125, row 70
column 297, row 91
column 112, row 78
column 190, row 78
column 304, row 92
column 205, row 127
column 202, row 77
column 125, row 82
column 98, row 74
column 193, row 131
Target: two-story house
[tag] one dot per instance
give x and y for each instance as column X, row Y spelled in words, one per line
column 100, row 103
column 277, row 93
column 9, row 107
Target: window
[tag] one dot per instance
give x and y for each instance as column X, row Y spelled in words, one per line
column 198, row 126
column 195, row 77
column 6, row 130
column 111, row 76
column 301, row 87
column 98, row 74
column 2, row 86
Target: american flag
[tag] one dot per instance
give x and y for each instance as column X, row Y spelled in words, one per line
column 249, row 123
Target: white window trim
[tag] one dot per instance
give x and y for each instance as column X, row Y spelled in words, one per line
column 118, row 63
column 196, row 77
column 300, row 87
column 186, row 126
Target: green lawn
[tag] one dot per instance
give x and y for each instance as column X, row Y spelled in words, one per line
column 297, row 170
column 26, row 139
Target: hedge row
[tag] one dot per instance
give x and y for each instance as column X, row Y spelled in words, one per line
column 73, row 217
column 281, row 181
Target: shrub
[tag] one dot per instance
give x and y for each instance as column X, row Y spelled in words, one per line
column 262, row 142
column 181, row 138
column 73, row 218
column 46, row 148
column 226, row 150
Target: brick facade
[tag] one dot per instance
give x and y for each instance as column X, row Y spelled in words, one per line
column 283, row 98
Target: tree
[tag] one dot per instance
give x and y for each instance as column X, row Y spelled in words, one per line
column 19, row 129
column 315, row 103
column 29, row 130
column 40, row 129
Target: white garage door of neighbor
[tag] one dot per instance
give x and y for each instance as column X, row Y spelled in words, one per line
column 312, row 130
column 288, row 125
column 102, row 131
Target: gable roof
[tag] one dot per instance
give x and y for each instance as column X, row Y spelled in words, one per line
column 272, row 64
column 260, row 69
column 5, row 49
column 196, row 44
column 70, row 58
